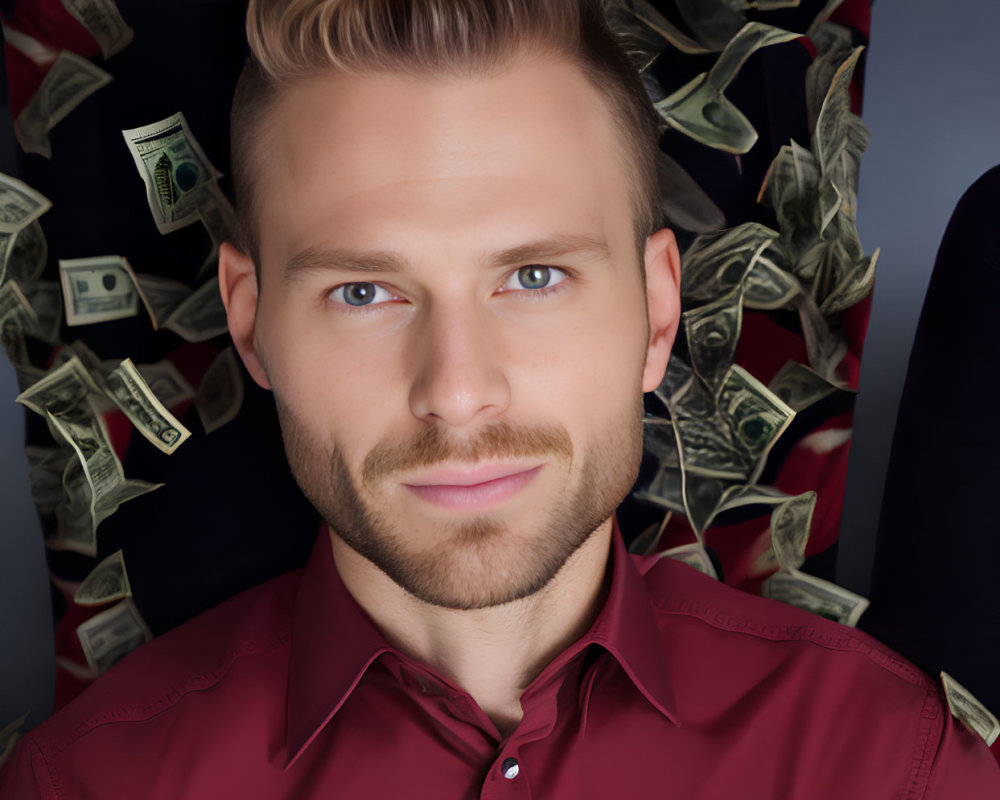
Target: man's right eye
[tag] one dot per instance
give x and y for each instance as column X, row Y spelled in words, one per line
column 360, row 294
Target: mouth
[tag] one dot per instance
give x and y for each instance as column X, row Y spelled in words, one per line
column 472, row 489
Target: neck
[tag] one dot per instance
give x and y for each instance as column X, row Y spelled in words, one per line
column 492, row 653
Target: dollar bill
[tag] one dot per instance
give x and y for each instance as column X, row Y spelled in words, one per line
column 10, row 735
column 217, row 215
column 109, row 636
column 108, row 581
column 718, row 263
column 713, row 331
column 161, row 296
column 201, row 316
column 46, row 466
column 683, row 201
column 28, row 254
column 69, row 82
column 174, row 169
column 713, row 24
column 739, row 496
column 103, row 21
column 825, row 348
column 89, row 441
column 768, row 287
column 816, row 595
column 694, row 555
column 830, row 137
column 20, row 205
column 790, row 525
column 14, row 343
column 854, row 288
column 64, row 392
column 220, row 393
column 644, row 32
column 700, row 110
column 45, row 299
column 166, row 383
column 14, row 303
column 756, row 416
column 133, row 396
column 75, row 528
column 967, row 709
column 833, row 44
column 97, row 290
column 666, row 488
column 799, row 387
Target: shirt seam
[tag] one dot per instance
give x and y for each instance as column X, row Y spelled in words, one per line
column 926, row 744
column 165, row 702
column 803, row 633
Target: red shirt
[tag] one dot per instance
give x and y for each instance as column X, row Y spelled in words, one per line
column 683, row 687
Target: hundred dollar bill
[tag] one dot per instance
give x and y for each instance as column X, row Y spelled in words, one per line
column 161, row 296
column 966, row 708
column 854, row 288
column 10, row 735
column 97, row 290
column 20, row 205
column 104, row 22
column 166, row 383
column 28, row 254
column 694, row 555
column 201, row 316
column 107, row 581
column 768, row 286
column 220, row 394
column 790, row 524
column 69, row 82
column 718, row 263
column 134, row 397
column 174, row 169
column 114, row 633
column 816, row 595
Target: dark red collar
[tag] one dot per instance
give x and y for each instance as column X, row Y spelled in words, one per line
column 334, row 642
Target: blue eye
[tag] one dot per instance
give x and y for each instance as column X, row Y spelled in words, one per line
column 360, row 294
column 534, row 277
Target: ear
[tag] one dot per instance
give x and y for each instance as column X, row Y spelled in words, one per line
column 663, row 303
column 238, row 287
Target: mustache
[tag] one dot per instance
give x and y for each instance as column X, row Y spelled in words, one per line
column 497, row 440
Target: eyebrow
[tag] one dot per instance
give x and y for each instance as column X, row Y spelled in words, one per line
column 314, row 259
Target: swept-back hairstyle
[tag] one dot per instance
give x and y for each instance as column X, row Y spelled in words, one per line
column 294, row 39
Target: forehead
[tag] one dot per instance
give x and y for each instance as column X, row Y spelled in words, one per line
column 395, row 159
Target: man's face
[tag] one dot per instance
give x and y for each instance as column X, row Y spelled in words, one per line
column 453, row 321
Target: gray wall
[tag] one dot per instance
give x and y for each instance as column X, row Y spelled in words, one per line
column 933, row 105
column 932, row 101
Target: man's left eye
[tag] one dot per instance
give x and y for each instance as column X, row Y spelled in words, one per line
column 534, row 277
column 360, row 294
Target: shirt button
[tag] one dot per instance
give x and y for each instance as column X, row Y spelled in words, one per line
column 510, row 768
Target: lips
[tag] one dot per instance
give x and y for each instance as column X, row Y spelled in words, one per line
column 472, row 489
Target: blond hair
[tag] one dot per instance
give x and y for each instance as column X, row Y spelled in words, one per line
column 293, row 39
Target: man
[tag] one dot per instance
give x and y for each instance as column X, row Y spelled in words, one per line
column 451, row 281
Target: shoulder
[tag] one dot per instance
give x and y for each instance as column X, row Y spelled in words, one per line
column 830, row 694
column 683, row 598
column 199, row 656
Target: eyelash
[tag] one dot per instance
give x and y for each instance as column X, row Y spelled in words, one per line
column 525, row 294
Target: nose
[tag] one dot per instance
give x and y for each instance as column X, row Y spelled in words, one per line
column 458, row 362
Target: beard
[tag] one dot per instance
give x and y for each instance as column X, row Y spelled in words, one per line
column 480, row 561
